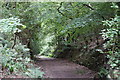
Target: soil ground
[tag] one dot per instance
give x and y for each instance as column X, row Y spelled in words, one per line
column 58, row 68
column 62, row 68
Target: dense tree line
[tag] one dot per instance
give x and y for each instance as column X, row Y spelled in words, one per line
column 60, row 27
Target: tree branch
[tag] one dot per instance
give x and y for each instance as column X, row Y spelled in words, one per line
column 58, row 9
column 14, row 43
column 89, row 6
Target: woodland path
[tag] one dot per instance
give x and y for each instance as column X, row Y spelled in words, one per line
column 61, row 68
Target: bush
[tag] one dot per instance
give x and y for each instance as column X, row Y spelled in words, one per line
column 15, row 56
column 112, row 47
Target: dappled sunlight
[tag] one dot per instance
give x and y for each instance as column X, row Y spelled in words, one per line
column 45, row 58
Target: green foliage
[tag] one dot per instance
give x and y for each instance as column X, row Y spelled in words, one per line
column 14, row 55
column 10, row 25
column 34, row 73
column 56, row 25
column 112, row 45
column 103, row 72
column 61, row 21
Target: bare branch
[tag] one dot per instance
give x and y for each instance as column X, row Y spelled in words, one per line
column 15, row 39
column 89, row 6
column 58, row 9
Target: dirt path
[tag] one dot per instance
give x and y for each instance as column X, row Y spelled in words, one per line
column 60, row 68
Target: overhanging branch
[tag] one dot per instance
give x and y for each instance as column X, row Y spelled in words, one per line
column 58, row 9
column 89, row 6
